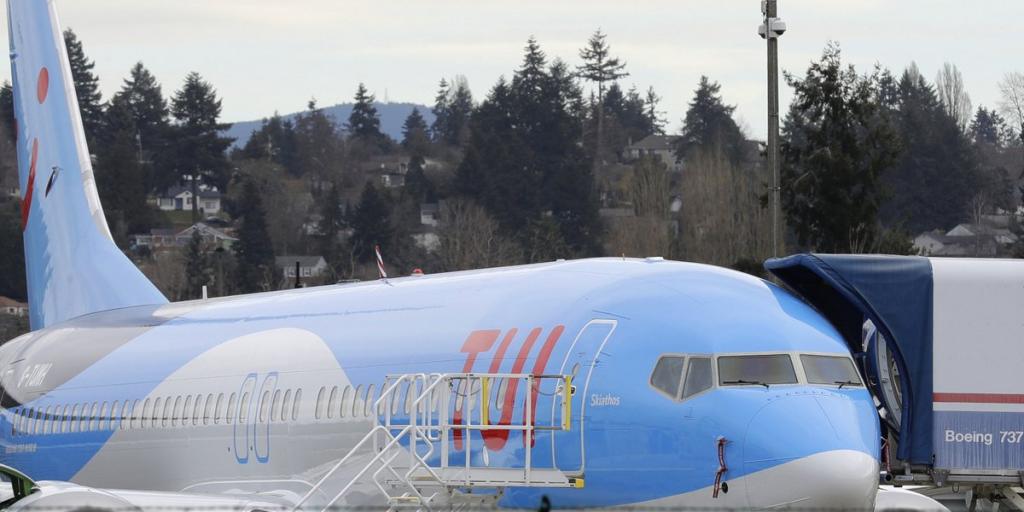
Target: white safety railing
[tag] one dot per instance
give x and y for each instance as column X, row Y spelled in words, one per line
column 404, row 445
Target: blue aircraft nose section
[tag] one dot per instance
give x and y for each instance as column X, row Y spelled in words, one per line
column 810, row 448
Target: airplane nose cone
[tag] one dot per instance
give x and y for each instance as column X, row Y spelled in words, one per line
column 796, row 458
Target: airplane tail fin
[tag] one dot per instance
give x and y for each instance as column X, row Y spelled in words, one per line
column 72, row 264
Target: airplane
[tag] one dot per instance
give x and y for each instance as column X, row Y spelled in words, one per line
column 677, row 384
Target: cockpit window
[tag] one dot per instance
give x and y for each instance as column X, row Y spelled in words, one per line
column 830, row 370
column 698, row 376
column 756, row 370
column 668, row 375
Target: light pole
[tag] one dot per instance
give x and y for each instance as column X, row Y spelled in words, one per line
column 771, row 28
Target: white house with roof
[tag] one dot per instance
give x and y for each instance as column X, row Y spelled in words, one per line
column 661, row 147
column 159, row 238
column 180, row 198
column 309, row 266
column 11, row 307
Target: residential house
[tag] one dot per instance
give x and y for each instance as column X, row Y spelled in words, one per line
column 161, row 238
column 157, row 238
column 180, row 198
column 430, row 214
column 966, row 240
column 211, row 236
column 392, row 180
column 661, row 147
column 11, row 307
column 309, row 266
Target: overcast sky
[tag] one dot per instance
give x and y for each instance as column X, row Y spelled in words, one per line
column 265, row 56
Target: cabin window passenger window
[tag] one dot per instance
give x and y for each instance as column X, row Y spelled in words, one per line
column 58, row 419
column 830, row 370
column 286, row 405
column 243, row 408
column 231, row 409
column 219, row 409
column 167, row 412
column 176, row 414
column 197, row 410
column 396, row 397
column 186, row 411
column 83, row 418
column 37, row 421
column 332, row 402
column 93, row 419
column 295, row 407
column 756, row 370
column 89, row 417
column 275, row 406
column 48, row 420
column 115, row 414
column 356, row 405
column 208, row 409
column 344, row 401
column 368, row 405
column 155, row 414
column 122, row 424
column 74, row 421
column 668, row 375
column 264, row 405
column 319, row 404
column 103, row 422
column 144, row 415
column 698, row 376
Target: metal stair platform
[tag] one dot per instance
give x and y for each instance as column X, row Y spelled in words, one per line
column 419, row 417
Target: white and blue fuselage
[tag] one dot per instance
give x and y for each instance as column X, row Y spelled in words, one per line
column 263, row 393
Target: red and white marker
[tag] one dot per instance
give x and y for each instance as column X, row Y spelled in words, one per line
column 380, row 263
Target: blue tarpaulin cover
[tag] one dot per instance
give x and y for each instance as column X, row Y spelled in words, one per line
column 895, row 293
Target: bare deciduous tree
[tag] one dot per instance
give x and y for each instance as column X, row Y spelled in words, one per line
column 1011, row 104
column 468, row 238
column 650, row 188
column 722, row 220
column 949, row 84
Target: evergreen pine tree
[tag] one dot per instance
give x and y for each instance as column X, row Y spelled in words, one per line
column 709, row 124
column 87, row 86
column 371, row 223
column 199, row 148
column 363, row 122
column 253, row 250
column 836, row 142
column 651, row 112
column 936, row 175
column 318, row 145
column 600, row 68
column 12, row 252
column 332, row 221
column 459, row 109
column 275, row 141
column 120, row 177
column 417, row 185
column 7, row 109
column 415, row 138
column 988, row 127
column 439, row 129
column 197, row 273
column 142, row 97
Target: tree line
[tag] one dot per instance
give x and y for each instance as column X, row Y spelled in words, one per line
column 540, row 168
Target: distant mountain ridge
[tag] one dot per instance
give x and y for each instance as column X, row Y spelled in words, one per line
column 392, row 116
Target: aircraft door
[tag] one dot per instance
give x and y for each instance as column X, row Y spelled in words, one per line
column 581, row 361
column 260, row 418
column 241, row 431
